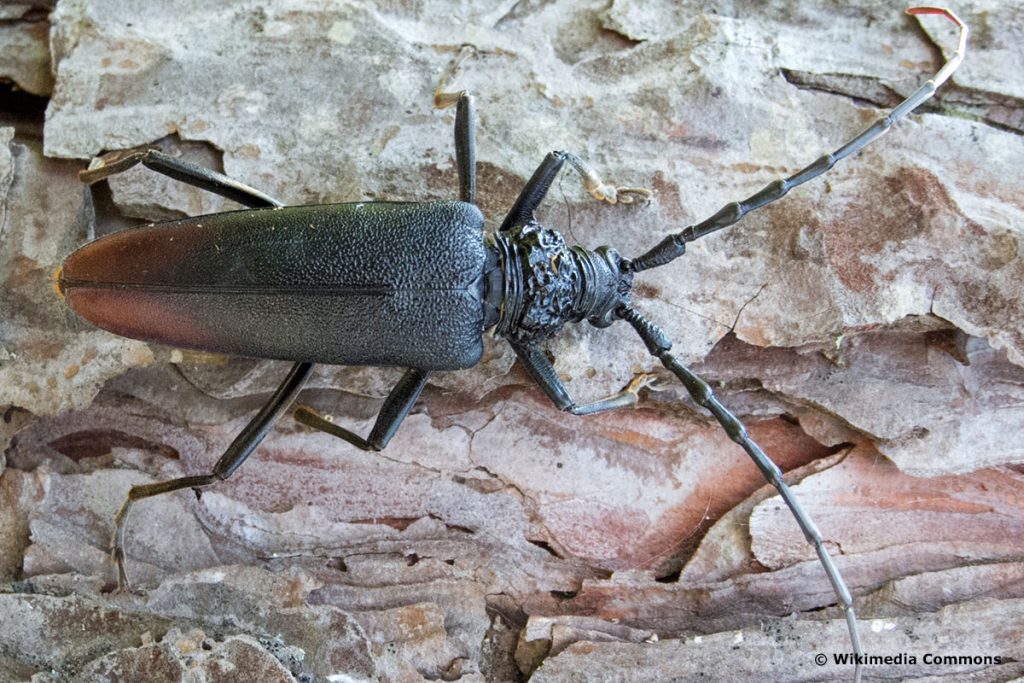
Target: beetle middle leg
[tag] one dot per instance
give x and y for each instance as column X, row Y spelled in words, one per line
column 543, row 373
column 395, row 409
column 231, row 460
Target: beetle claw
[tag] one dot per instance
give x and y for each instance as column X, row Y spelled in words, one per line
column 620, row 195
column 117, row 557
column 112, row 163
column 631, row 195
column 644, row 380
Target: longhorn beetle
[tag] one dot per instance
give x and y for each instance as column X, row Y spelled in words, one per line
column 413, row 285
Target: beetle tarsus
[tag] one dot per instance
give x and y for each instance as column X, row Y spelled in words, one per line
column 443, row 96
column 602, row 191
column 309, row 417
column 113, row 163
column 619, row 195
column 628, row 397
column 643, row 380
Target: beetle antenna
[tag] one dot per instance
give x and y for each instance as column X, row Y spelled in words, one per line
column 674, row 246
column 660, row 346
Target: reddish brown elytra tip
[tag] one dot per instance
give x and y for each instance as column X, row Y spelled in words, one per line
column 58, row 284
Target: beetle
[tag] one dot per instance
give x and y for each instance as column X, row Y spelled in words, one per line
column 408, row 284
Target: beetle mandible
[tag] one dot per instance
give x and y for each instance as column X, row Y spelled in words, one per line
column 413, row 285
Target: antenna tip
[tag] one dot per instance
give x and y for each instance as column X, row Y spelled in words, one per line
column 948, row 13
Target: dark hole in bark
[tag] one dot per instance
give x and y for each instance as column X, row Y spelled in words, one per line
column 544, row 546
column 95, row 443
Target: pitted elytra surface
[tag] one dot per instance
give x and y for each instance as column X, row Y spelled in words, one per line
column 342, row 283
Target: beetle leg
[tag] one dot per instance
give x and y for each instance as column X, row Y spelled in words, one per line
column 185, row 171
column 674, row 246
column 465, row 146
column 602, row 191
column 465, row 127
column 533, row 192
column 539, row 183
column 543, row 373
column 231, row 460
column 444, row 97
column 395, row 409
column 659, row 346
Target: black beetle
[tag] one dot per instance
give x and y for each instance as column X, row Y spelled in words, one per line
column 414, row 285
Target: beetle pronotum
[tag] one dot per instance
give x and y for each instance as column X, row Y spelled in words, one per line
column 277, row 271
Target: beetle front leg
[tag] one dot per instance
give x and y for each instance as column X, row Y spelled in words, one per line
column 231, row 460
column 395, row 409
column 192, row 174
column 543, row 373
column 537, row 187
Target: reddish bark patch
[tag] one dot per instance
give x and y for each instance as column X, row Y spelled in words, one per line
column 869, row 225
column 667, row 194
column 678, row 532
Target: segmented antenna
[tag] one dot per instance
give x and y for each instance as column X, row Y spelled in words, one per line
column 674, row 246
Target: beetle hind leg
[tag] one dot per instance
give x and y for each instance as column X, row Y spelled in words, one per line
column 231, row 460
column 120, row 161
column 395, row 409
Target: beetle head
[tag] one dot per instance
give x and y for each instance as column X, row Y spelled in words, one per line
column 605, row 285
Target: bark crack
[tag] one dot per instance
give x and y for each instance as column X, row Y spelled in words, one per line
column 746, row 303
column 1002, row 112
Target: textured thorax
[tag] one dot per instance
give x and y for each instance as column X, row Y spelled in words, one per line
column 546, row 284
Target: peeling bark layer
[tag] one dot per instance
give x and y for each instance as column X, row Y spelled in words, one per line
column 867, row 328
